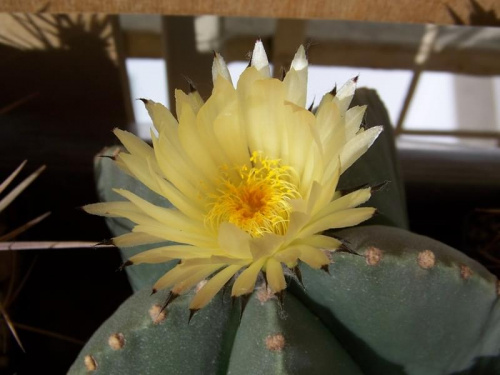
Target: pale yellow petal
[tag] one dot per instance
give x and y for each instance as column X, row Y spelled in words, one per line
column 288, row 256
column 166, row 253
column 263, row 116
column 313, row 256
column 140, row 170
column 133, row 144
column 296, row 79
column 245, row 84
column 350, row 200
column 319, row 241
column 194, row 278
column 357, row 146
column 353, row 118
column 193, row 100
column 163, row 119
column 219, row 68
column 177, row 167
column 135, row 239
column 234, row 241
column 109, row 209
column 175, row 275
column 345, row 94
column 259, row 60
column 176, row 235
column 120, row 209
column 231, row 135
column 266, row 245
column 328, row 119
column 245, row 283
column 178, row 199
column 212, row 287
column 275, row 276
column 340, row 219
column 168, row 216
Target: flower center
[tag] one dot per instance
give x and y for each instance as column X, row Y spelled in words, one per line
column 257, row 201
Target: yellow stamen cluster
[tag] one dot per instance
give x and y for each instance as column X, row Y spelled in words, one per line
column 258, row 200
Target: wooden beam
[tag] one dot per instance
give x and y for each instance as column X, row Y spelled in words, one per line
column 381, row 55
column 453, row 133
column 413, row 11
column 183, row 60
column 142, row 44
column 289, row 34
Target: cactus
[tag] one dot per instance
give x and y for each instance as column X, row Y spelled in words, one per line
column 402, row 303
column 409, row 305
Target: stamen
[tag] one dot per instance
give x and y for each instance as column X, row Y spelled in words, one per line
column 259, row 202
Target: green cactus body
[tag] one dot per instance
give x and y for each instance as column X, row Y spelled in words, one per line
column 406, row 305
column 409, row 305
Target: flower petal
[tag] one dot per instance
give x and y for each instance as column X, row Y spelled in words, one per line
column 234, row 241
column 212, row 287
column 135, row 239
column 245, row 283
column 162, row 118
column 166, row 253
column 350, row 200
column 340, row 219
column 259, row 60
column 219, row 69
column 313, row 256
column 194, row 278
column 357, row 146
column 296, row 79
column 274, row 275
column 133, row 144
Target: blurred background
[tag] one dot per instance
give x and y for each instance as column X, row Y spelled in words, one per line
column 70, row 74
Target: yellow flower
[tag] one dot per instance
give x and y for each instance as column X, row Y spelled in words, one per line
column 252, row 175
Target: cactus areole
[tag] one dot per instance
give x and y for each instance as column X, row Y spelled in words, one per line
column 252, row 176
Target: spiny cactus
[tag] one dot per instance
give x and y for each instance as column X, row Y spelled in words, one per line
column 403, row 304
column 408, row 305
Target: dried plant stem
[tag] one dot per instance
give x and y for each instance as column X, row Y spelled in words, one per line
column 45, row 332
column 44, row 245
column 11, row 325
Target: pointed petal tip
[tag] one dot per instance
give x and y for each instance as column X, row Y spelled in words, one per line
column 192, row 86
column 219, row 68
column 126, row 264
column 298, row 274
column 334, row 90
column 192, row 312
column 259, row 57
column 170, row 298
column 299, row 61
column 380, row 186
column 326, row 268
column 281, row 298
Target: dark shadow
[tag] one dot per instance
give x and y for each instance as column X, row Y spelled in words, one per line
column 61, row 95
column 478, row 16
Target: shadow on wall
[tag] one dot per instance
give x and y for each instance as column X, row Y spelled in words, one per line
column 61, row 97
column 478, row 16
